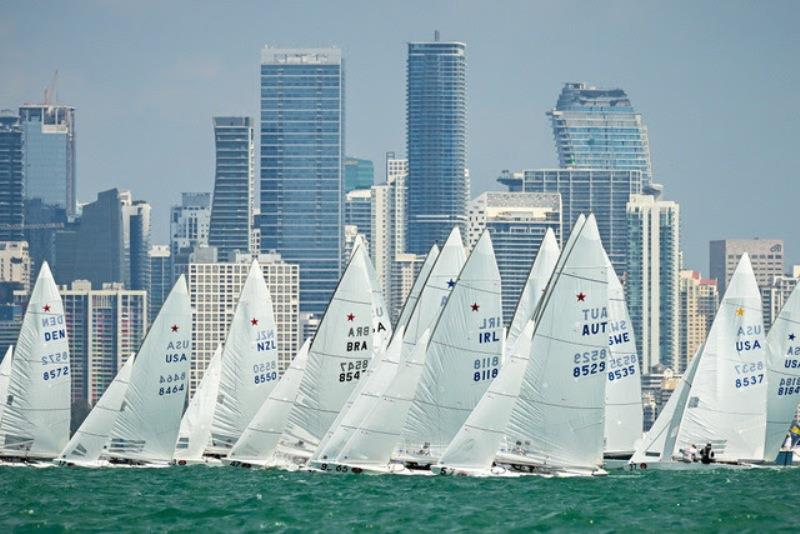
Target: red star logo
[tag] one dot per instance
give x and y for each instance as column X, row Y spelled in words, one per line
column 350, row 317
column 474, row 306
column 174, row 328
column 254, row 321
column 46, row 307
column 581, row 296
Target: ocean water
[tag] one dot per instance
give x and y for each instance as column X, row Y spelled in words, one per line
column 217, row 499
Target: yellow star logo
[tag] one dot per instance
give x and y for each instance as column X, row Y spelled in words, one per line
column 740, row 311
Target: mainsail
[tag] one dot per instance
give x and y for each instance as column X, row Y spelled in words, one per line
column 195, row 431
column 464, row 356
column 260, row 438
column 783, row 375
column 558, row 420
column 91, row 439
column 35, row 422
column 249, row 363
column 5, row 376
column 147, row 427
column 413, row 296
column 727, row 402
column 624, row 417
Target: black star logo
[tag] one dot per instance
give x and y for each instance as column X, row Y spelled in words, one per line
column 451, row 284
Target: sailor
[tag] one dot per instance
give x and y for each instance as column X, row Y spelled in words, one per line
column 787, row 443
column 693, row 453
column 707, row 455
column 687, row 454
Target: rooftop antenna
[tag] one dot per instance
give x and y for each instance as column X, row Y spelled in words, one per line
column 50, row 91
column 436, row 35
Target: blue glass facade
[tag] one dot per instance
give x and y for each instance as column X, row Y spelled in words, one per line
column 302, row 151
column 358, row 174
column 599, row 129
column 234, row 186
column 12, row 182
column 436, row 143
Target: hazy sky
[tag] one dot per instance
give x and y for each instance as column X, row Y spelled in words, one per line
column 715, row 81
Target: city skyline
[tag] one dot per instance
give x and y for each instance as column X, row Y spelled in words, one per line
column 707, row 132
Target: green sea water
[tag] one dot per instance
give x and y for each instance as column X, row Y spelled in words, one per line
column 216, row 499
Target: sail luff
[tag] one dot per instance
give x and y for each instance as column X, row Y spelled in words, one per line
column 195, row 430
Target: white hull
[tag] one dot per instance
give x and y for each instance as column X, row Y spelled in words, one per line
column 343, row 469
column 205, row 460
column 685, row 466
column 493, row 472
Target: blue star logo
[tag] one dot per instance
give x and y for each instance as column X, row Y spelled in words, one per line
column 451, row 284
column 791, row 337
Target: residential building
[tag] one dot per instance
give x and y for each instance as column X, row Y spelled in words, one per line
column 358, row 174
column 517, row 223
column 188, row 228
column 405, row 269
column 302, row 148
column 15, row 263
column 12, row 178
column 651, row 287
column 136, row 237
column 358, row 211
column 699, row 299
column 160, row 279
column 105, row 326
column 775, row 294
column 605, row 193
column 49, row 140
column 436, row 139
column 233, row 203
column 597, row 128
column 766, row 256
column 214, row 290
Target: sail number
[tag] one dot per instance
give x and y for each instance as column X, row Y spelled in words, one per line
column 589, row 363
column 789, row 386
column 618, row 374
column 485, row 368
column 171, row 383
column 352, row 370
column 56, row 357
column 265, row 372
column 55, row 373
column 749, row 380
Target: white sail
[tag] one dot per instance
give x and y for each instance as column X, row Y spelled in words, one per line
column 727, row 402
column 539, row 276
column 91, row 440
column 558, row 420
column 783, row 375
column 249, row 363
column 36, row 418
column 340, row 353
column 5, row 376
column 476, row 444
column 146, row 429
column 353, row 437
column 195, row 431
column 624, row 416
column 464, row 356
column 260, row 438
column 658, row 445
column 413, row 296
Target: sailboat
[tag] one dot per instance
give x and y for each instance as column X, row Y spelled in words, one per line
column 726, row 403
column 783, row 378
column 624, row 416
column 353, row 327
column 362, row 439
column 249, row 363
column 463, row 356
column 5, row 377
column 195, row 430
column 91, row 440
column 557, row 423
column 146, row 429
column 259, row 441
column 35, row 421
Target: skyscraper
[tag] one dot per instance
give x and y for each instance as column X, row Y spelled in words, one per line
column 358, row 211
column 49, row 138
column 599, row 129
column 698, row 305
column 160, row 279
column 15, row 263
column 234, row 186
column 766, row 255
column 358, row 174
column 302, row 148
column 436, row 139
column 652, row 285
column 602, row 192
column 12, row 178
column 517, row 223
column 136, row 237
column 188, row 228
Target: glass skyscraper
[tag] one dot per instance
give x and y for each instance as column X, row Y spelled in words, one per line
column 358, row 174
column 436, row 138
column 302, row 152
column 49, row 137
column 12, row 178
column 599, row 129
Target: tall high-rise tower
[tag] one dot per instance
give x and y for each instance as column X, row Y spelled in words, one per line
column 436, row 109
column 234, row 186
column 599, row 129
column 12, row 178
column 302, row 148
